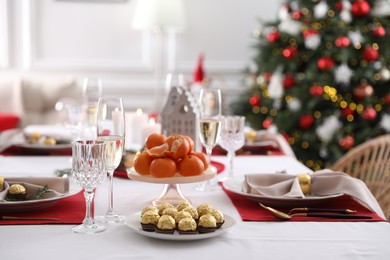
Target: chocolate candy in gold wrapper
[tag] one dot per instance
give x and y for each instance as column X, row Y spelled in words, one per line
column 187, row 226
column 1, row 183
column 16, row 191
column 305, row 182
column 207, row 223
column 166, row 224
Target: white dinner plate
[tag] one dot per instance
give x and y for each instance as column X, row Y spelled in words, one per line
column 20, row 206
column 133, row 221
column 45, row 147
column 234, row 185
column 176, row 179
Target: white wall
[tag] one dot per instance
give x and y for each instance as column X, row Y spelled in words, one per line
column 95, row 38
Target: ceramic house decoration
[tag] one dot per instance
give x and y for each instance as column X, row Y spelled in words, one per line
column 179, row 115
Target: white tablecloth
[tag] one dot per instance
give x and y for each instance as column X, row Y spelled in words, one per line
column 252, row 240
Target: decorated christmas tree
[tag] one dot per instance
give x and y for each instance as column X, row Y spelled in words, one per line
column 322, row 76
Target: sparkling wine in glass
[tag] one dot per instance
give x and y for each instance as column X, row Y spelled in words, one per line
column 232, row 138
column 209, row 125
column 92, row 91
column 111, row 130
column 88, row 171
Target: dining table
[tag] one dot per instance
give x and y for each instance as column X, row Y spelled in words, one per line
column 243, row 240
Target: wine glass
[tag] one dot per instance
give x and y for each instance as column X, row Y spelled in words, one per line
column 232, row 138
column 111, row 130
column 92, row 91
column 209, row 125
column 88, row 171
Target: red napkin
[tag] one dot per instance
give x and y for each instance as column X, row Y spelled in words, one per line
column 122, row 173
column 17, row 150
column 70, row 210
column 250, row 210
column 8, row 121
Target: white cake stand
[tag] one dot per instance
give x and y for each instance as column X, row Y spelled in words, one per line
column 171, row 192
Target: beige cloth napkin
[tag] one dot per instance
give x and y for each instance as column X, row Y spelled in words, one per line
column 57, row 185
column 323, row 183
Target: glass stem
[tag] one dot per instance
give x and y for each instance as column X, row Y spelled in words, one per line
column 110, row 211
column 88, row 220
column 230, row 156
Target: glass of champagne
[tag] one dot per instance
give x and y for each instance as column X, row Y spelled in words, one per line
column 111, row 130
column 232, row 138
column 92, row 91
column 88, row 170
column 210, row 106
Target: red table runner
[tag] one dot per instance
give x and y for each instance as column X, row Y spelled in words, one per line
column 250, row 210
column 70, row 210
column 31, row 151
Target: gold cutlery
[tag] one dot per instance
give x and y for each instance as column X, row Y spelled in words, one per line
column 284, row 216
column 26, row 218
column 341, row 211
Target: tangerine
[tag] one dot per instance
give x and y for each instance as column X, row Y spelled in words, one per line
column 190, row 165
column 158, row 151
column 163, row 167
column 142, row 163
column 190, row 142
column 179, row 147
column 203, row 157
column 154, row 140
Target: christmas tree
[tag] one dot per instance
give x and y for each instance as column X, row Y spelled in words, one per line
column 322, row 77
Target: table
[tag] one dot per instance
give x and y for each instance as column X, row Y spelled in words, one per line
column 252, row 240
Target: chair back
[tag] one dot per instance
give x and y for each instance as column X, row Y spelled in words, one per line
column 370, row 162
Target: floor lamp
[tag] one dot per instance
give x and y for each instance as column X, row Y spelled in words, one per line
column 164, row 18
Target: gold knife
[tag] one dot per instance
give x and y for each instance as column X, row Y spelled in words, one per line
column 26, row 218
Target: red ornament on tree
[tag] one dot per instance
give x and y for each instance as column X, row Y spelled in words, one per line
column 387, row 99
column 379, row 31
column 267, row 123
column 363, row 91
column 347, row 111
column 339, row 5
column 288, row 81
column 273, row 36
column 369, row 114
column 342, row 41
column 360, row 8
column 325, row 63
column 346, row 142
column 290, row 52
column 316, row 90
column 306, row 121
column 254, row 100
column 370, row 54
column 296, row 15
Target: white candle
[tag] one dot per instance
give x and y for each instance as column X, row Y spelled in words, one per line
column 116, row 121
column 134, row 123
column 150, row 128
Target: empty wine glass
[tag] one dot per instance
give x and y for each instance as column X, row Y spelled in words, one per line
column 111, row 130
column 88, row 171
column 209, row 126
column 232, row 138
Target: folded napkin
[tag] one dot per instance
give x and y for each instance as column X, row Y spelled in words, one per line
column 323, row 183
column 57, row 186
column 57, row 131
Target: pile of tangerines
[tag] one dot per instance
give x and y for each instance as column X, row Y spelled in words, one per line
column 164, row 156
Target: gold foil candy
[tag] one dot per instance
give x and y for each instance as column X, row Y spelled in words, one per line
column 305, row 182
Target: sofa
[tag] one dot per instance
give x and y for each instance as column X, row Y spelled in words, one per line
column 32, row 99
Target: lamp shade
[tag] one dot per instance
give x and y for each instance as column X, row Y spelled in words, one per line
column 168, row 15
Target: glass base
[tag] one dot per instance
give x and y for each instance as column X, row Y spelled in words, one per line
column 88, row 229
column 171, row 194
column 111, row 218
column 208, row 186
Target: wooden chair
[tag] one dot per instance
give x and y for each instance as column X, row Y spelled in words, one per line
column 370, row 162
